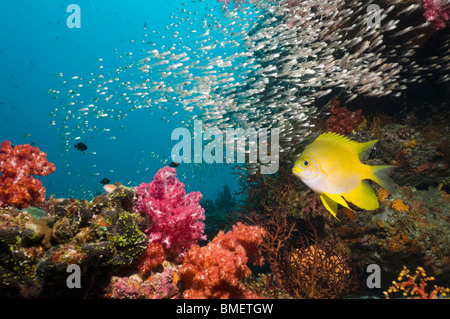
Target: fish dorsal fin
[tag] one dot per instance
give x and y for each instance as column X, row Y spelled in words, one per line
column 361, row 149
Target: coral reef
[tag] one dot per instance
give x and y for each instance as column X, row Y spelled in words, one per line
column 175, row 217
column 117, row 255
column 415, row 286
column 303, row 264
column 132, row 287
column 17, row 187
column 217, row 270
column 161, row 285
column 419, row 151
column 410, row 227
column 101, row 237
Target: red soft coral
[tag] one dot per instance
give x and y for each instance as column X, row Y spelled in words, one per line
column 152, row 258
column 17, row 187
column 216, row 270
column 342, row 120
column 175, row 217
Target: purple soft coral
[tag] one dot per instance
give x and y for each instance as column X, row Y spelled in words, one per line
column 175, row 217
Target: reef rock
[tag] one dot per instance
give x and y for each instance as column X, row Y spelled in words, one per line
column 102, row 236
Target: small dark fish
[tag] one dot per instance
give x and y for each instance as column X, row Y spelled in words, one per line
column 174, row 164
column 145, row 25
column 81, row 146
column 104, row 181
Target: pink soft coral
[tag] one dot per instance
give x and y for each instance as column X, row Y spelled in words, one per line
column 437, row 12
column 175, row 217
column 17, row 187
column 216, row 270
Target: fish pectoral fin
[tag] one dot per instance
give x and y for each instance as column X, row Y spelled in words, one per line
column 363, row 196
column 329, row 204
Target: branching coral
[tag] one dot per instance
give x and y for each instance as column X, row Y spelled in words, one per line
column 305, row 265
column 414, row 286
column 216, row 270
column 175, row 217
column 17, row 187
column 315, row 272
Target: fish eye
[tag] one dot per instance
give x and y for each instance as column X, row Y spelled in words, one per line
column 305, row 163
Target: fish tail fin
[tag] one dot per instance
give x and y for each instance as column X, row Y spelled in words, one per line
column 381, row 177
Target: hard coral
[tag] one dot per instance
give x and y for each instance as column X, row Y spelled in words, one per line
column 17, row 187
column 175, row 217
column 216, row 270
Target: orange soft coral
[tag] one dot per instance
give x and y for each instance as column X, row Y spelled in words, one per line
column 216, row 270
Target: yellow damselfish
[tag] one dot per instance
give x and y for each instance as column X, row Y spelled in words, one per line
column 331, row 166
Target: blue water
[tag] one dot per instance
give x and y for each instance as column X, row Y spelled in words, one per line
column 36, row 45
